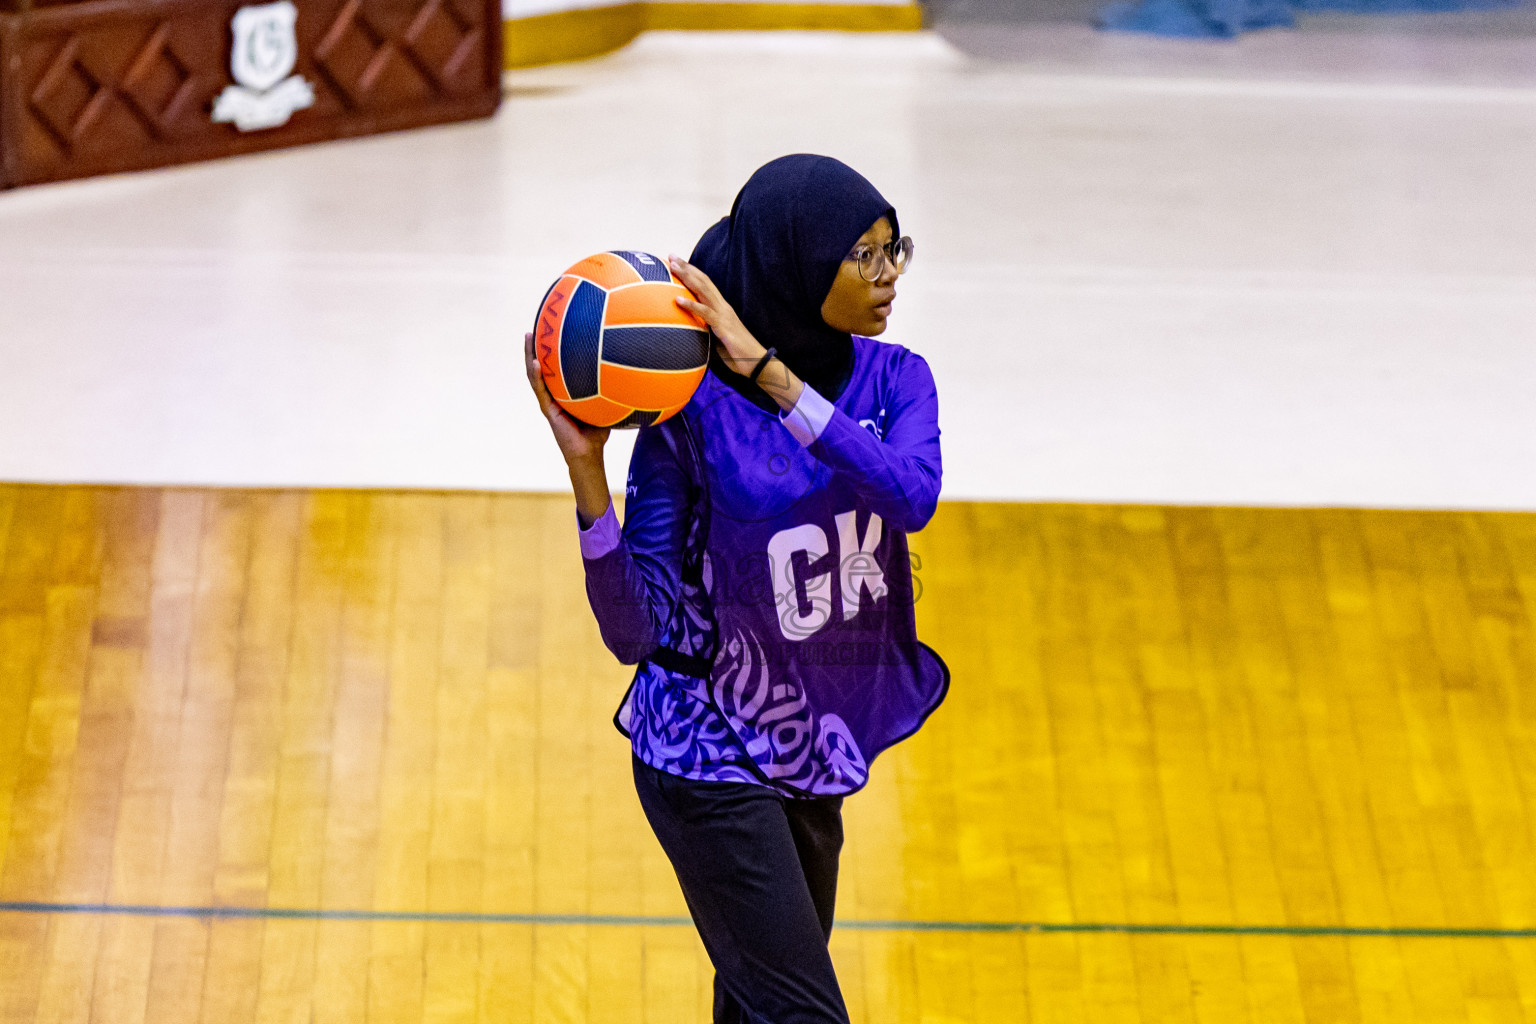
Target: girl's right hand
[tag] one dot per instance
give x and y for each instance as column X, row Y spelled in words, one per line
column 578, row 442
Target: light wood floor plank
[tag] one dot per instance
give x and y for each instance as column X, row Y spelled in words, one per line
column 1522, row 955
column 890, row 975
column 456, row 851
column 567, row 721
column 87, row 830
column 42, row 681
column 24, row 951
column 25, row 643
column 1435, row 981
column 504, row 987
column 354, row 700
column 561, row 980
column 151, row 764
column 396, row 965
column 1054, row 972
column 234, row 967
column 1270, row 980
column 21, row 655
column 512, row 730
column 615, row 988
column 9, row 493
column 358, row 735
column 678, row 978
column 181, row 947
column 301, row 785
column 36, row 518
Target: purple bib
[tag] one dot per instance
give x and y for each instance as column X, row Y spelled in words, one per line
column 796, row 612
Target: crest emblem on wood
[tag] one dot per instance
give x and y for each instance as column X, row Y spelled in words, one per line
column 262, row 59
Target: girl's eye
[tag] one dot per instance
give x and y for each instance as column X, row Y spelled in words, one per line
column 863, row 255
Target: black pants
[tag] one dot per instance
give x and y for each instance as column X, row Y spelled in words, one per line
column 759, row 873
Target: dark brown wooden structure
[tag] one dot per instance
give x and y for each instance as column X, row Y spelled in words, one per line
column 96, row 86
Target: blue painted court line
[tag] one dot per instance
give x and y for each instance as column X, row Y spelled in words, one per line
column 613, row 920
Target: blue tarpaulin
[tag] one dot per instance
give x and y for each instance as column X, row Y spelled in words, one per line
column 1227, row 18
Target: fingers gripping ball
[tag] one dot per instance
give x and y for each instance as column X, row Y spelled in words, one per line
column 614, row 348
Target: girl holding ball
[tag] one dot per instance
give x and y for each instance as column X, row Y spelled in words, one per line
column 761, row 580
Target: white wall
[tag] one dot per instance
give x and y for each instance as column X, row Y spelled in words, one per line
column 1166, row 287
column 530, row 8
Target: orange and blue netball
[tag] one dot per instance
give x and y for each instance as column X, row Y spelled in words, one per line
column 614, row 347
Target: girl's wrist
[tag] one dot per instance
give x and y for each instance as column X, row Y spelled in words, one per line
column 590, row 484
column 588, row 475
column 780, row 384
column 586, row 515
column 744, row 362
column 760, row 366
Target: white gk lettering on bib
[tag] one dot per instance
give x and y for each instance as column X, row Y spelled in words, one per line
column 803, row 580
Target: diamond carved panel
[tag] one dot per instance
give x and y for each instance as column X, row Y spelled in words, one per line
column 158, row 84
column 441, row 39
column 68, row 98
column 84, row 85
column 111, row 85
column 366, row 65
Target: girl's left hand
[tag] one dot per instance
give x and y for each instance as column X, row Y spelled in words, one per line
column 737, row 347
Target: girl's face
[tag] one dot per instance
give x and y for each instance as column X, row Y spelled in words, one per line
column 854, row 304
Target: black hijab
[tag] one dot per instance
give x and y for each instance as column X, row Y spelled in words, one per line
column 775, row 258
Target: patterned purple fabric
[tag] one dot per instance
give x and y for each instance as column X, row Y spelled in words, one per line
column 602, row 536
column 776, row 581
column 805, row 421
column 809, row 417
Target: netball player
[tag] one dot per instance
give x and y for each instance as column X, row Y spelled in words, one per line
column 761, row 580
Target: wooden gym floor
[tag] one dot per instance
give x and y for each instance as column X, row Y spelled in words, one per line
column 346, row 756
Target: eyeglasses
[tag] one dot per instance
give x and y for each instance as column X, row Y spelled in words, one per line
column 872, row 258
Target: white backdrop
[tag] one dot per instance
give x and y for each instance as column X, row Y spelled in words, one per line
column 1164, row 288
column 529, row 8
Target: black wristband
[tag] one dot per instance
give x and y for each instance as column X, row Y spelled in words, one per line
column 752, row 377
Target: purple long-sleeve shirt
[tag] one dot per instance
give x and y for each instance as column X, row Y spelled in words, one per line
column 762, row 580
